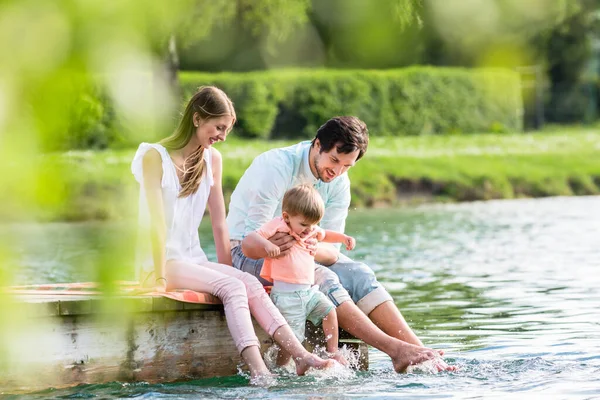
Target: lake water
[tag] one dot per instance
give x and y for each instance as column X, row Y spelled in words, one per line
column 509, row 289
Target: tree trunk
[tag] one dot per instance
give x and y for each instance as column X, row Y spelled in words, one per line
column 172, row 67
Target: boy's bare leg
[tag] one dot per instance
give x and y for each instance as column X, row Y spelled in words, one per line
column 283, row 357
column 330, row 328
column 285, row 338
column 403, row 354
column 388, row 318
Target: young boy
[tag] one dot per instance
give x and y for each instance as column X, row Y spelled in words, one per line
column 293, row 275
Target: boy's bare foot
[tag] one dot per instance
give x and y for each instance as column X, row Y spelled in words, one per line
column 311, row 361
column 337, row 356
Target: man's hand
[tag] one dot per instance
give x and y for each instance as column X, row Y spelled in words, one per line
column 350, row 242
column 272, row 250
column 284, row 241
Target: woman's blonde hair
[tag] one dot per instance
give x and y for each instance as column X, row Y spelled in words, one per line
column 304, row 200
column 209, row 102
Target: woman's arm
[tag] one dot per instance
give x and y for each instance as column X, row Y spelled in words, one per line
column 216, row 208
column 152, row 172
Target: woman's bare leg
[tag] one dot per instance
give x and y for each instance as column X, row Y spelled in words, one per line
column 270, row 319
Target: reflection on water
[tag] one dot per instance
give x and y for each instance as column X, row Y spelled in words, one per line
column 509, row 289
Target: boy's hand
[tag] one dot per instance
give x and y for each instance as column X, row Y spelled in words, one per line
column 350, row 242
column 311, row 245
column 337, row 356
column 272, row 250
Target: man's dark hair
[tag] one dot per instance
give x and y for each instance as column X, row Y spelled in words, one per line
column 347, row 134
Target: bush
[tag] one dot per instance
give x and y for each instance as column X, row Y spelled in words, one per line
column 411, row 101
column 294, row 103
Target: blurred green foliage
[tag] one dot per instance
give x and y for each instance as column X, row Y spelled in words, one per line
column 556, row 35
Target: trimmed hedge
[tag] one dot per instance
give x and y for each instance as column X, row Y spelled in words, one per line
column 410, row 101
column 294, row 103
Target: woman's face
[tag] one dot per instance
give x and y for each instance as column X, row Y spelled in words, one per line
column 213, row 130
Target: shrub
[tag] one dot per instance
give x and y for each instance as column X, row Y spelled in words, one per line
column 410, row 101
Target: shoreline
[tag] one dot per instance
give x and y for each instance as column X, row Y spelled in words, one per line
column 396, row 172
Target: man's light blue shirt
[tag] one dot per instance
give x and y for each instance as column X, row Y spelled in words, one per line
column 258, row 195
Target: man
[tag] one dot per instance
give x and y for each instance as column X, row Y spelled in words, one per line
column 350, row 285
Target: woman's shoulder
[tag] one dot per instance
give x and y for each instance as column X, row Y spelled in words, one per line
column 151, row 150
column 149, row 157
column 215, row 155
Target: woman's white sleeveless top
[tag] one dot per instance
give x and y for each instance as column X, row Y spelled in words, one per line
column 182, row 214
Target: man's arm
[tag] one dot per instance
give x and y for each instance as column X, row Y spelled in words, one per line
column 256, row 246
column 275, row 176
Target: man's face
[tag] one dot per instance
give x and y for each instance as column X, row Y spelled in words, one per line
column 330, row 165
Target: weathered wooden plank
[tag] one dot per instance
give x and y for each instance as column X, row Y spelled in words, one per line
column 73, row 341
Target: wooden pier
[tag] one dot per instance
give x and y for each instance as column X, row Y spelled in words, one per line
column 52, row 341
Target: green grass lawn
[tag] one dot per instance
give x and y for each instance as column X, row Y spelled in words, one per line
column 558, row 161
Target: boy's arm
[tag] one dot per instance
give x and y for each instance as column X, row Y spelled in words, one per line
column 338, row 237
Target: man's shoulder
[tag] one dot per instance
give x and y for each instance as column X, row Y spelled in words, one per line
column 285, row 158
column 341, row 183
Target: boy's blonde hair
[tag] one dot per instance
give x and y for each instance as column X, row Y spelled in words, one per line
column 304, row 200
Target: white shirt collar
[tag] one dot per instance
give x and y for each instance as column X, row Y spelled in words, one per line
column 305, row 174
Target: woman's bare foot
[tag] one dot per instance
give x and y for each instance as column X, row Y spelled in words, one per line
column 311, row 361
column 263, row 380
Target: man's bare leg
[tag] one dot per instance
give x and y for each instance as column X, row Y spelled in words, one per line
column 388, row 318
column 356, row 323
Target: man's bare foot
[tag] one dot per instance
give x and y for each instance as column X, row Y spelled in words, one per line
column 442, row 365
column 337, row 356
column 311, row 361
column 410, row 354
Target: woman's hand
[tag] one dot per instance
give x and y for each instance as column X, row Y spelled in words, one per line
column 161, row 285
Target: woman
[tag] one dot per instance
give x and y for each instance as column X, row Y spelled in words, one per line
column 179, row 177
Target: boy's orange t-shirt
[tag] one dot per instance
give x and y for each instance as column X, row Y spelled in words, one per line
column 298, row 266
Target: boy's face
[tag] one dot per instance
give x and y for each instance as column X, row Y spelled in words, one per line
column 298, row 224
